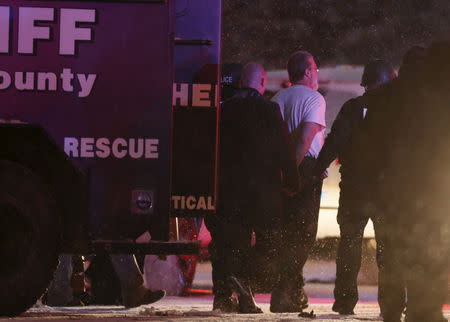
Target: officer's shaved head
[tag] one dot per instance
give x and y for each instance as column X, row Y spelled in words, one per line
column 254, row 76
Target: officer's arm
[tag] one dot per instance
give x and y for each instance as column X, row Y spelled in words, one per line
column 336, row 139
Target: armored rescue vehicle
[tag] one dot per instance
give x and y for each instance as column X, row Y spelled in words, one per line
column 108, row 129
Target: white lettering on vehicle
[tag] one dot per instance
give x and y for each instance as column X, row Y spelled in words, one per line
column 46, row 81
column 193, row 203
column 35, row 25
column 70, row 32
column 29, row 32
column 4, row 29
column 118, row 148
column 194, row 95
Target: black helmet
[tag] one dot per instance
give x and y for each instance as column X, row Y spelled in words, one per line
column 411, row 61
column 377, row 72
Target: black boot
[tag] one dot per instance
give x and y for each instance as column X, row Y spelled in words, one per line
column 245, row 296
column 342, row 309
column 288, row 299
column 226, row 304
column 302, row 298
column 143, row 296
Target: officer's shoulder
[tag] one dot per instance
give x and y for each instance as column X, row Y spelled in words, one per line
column 246, row 100
column 352, row 104
column 232, row 105
column 265, row 103
column 230, row 101
column 271, row 105
column 380, row 94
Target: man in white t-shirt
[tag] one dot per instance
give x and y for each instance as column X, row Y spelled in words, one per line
column 303, row 109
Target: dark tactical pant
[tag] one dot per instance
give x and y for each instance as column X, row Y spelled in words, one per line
column 415, row 258
column 352, row 219
column 231, row 252
column 348, row 258
column 230, row 243
column 299, row 229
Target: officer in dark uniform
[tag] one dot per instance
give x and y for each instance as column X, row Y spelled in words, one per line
column 407, row 131
column 352, row 217
column 230, row 79
column 256, row 165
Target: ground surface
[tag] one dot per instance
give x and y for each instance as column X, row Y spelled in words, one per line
column 199, row 307
column 195, row 308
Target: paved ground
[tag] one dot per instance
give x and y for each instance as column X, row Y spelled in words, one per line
column 196, row 308
column 199, row 307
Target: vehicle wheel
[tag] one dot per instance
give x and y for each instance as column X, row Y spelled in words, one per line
column 29, row 239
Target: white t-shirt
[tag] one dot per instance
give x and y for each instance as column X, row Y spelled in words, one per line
column 300, row 104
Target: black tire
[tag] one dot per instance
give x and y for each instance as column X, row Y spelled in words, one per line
column 29, row 238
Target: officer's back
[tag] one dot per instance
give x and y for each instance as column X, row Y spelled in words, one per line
column 254, row 150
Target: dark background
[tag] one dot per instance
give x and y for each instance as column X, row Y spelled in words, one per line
column 335, row 31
